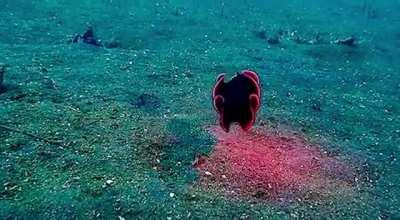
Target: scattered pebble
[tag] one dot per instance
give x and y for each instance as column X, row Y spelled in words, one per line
column 208, row 173
column 316, row 106
column 109, row 182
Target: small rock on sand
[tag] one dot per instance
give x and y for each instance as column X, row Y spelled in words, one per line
column 350, row 41
column 109, row 182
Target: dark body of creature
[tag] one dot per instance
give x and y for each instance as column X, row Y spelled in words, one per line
column 237, row 100
column 87, row 38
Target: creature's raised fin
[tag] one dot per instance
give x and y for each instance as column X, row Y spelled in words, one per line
column 218, row 85
column 219, row 103
column 253, row 77
column 254, row 102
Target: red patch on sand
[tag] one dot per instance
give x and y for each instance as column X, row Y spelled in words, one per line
column 266, row 164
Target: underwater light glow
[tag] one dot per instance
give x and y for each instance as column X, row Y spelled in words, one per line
column 267, row 164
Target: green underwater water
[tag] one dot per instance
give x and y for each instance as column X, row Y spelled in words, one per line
column 88, row 132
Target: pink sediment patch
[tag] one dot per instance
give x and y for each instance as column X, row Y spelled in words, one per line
column 266, row 164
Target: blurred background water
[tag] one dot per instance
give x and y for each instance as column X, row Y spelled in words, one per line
column 108, row 132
